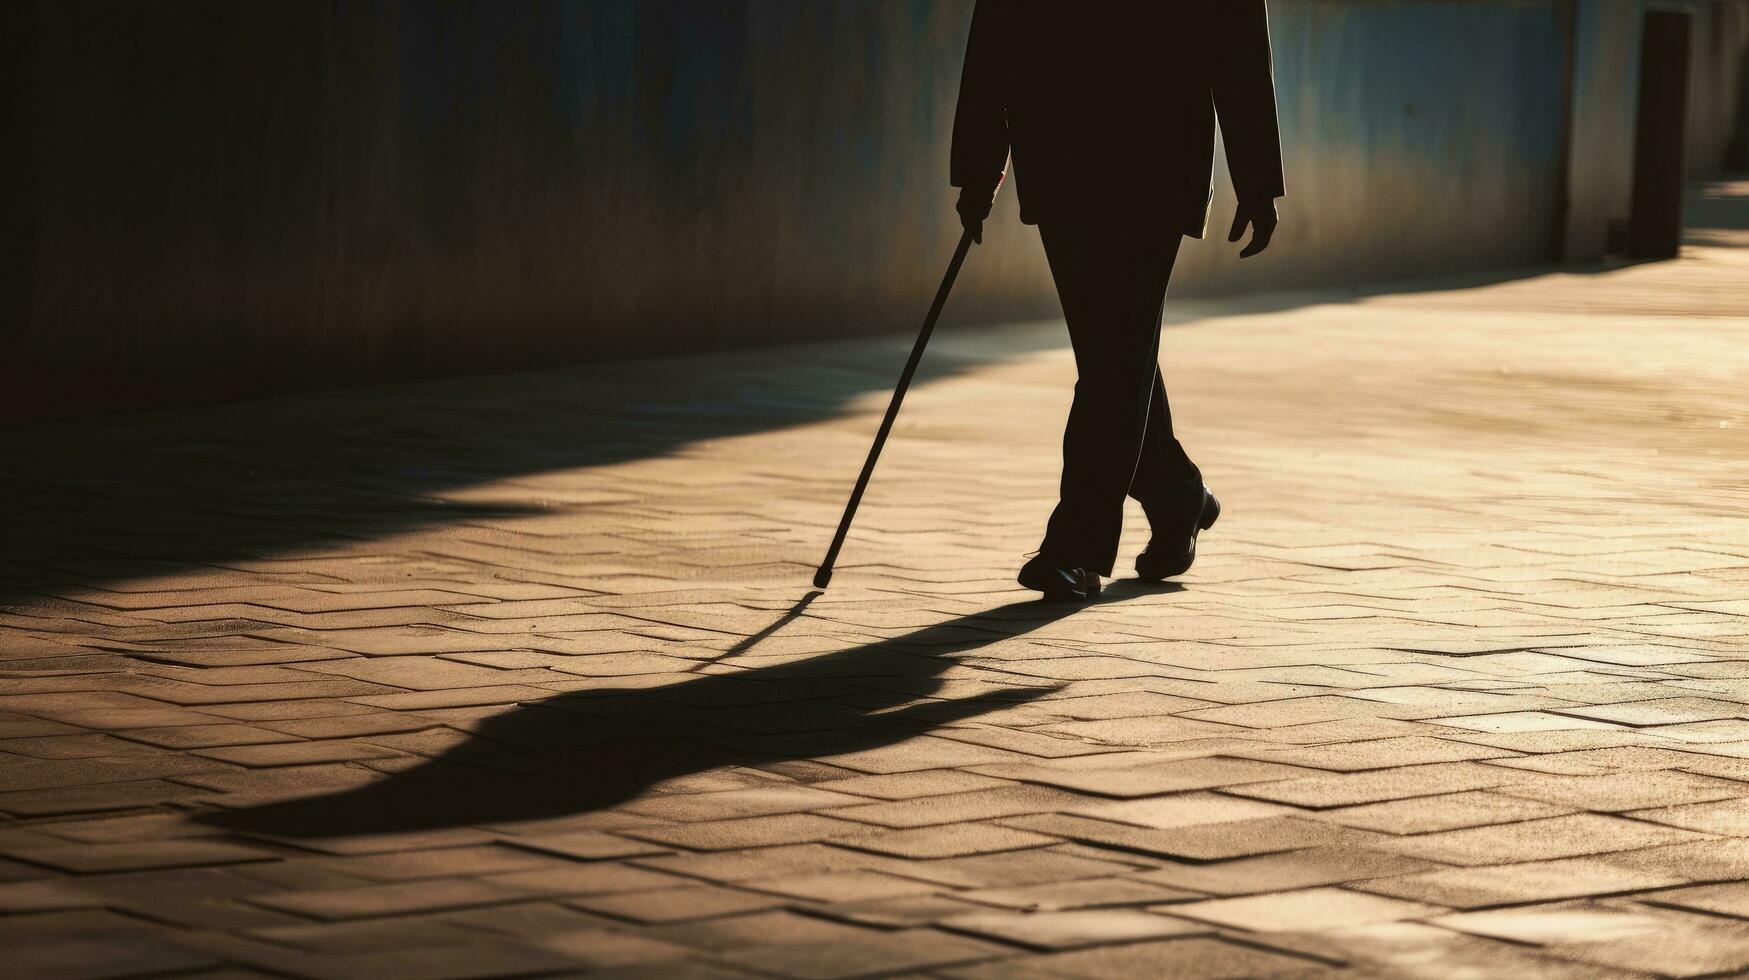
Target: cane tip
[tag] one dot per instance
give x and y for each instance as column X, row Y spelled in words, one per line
column 822, row 578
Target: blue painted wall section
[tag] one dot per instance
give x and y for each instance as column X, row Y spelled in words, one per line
column 307, row 193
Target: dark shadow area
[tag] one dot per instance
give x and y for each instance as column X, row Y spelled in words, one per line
column 95, row 502
column 580, row 752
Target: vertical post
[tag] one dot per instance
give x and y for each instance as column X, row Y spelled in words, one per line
column 1568, row 11
column 1655, row 231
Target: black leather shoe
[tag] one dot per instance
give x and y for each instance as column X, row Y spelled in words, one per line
column 1172, row 550
column 1058, row 582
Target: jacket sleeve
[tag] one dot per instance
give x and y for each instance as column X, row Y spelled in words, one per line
column 1244, row 93
column 980, row 122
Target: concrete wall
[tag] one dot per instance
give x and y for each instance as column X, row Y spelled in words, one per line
column 215, row 198
column 1418, row 136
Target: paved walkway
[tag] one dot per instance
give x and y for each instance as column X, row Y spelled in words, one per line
column 522, row 675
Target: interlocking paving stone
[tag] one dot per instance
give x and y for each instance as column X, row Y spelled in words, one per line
column 907, row 950
column 945, row 840
column 957, row 807
column 1694, row 949
column 1616, row 792
column 1455, row 811
column 1509, row 884
column 1068, row 929
column 1576, row 835
column 1192, row 957
column 538, row 687
column 399, row 898
column 1379, row 785
column 1068, row 895
column 139, row 855
column 678, row 904
column 1540, row 925
column 1726, row 817
column 1011, row 868
column 1286, row 870
column 586, row 845
column 1304, row 911
column 1179, row 810
column 1397, row 949
column 1201, row 842
column 1730, row 899
column 1107, row 776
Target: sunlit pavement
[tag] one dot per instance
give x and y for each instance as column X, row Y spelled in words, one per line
column 522, row 675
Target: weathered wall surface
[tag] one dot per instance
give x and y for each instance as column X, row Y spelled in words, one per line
column 303, row 193
column 1418, row 136
column 1605, row 95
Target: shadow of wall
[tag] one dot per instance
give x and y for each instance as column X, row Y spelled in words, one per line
column 234, row 198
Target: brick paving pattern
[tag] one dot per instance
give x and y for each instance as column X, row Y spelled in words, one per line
column 521, row 675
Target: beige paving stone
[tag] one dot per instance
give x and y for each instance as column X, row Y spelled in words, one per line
column 1331, row 865
column 1107, row 776
column 757, row 929
column 842, row 886
column 957, row 807
column 1694, row 949
column 1731, row 899
column 1517, row 884
column 1304, row 911
column 1192, row 957
column 140, row 855
column 1410, row 949
column 597, row 878
column 1014, row 868
column 1663, row 711
column 1179, row 810
column 1378, row 785
column 586, row 845
column 735, row 866
column 1725, row 817
column 1705, row 860
column 762, row 831
column 876, row 954
column 1576, row 835
column 944, row 840
column 678, row 904
column 910, row 785
column 1068, row 929
column 737, row 803
column 401, row 898
column 1383, row 753
column 575, row 601
column 1523, row 721
column 601, row 948
column 1542, row 925
column 1454, row 811
column 1069, row 895
column 1616, row 792
column 1201, row 842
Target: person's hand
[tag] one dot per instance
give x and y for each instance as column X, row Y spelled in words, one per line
column 974, row 207
column 1261, row 217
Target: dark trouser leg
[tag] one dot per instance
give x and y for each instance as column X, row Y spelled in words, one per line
column 1112, row 287
column 1165, row 476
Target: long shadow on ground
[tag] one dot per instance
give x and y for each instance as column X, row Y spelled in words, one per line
column 580, row 752
column 94, row 503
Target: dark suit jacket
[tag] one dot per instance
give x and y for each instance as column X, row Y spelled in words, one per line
column 1109, row 107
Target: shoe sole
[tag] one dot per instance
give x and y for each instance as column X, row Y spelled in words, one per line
column 1211, row 512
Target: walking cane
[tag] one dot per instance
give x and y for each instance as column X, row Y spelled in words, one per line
column 823, row 577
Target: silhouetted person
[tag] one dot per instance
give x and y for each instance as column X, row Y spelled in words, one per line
column 1109, row 111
